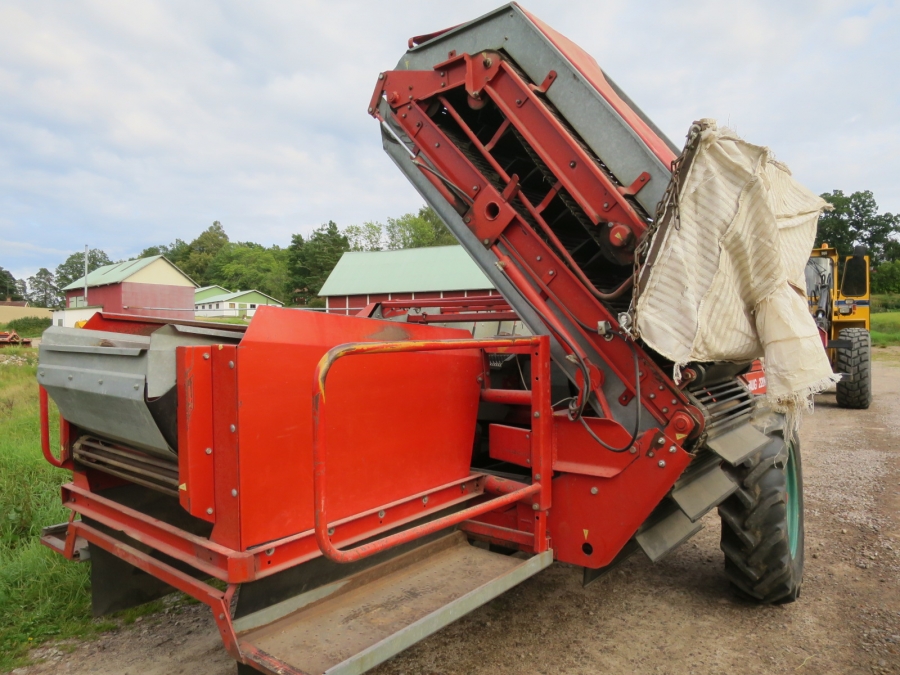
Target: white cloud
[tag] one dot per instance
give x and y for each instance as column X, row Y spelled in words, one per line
column 128, row 124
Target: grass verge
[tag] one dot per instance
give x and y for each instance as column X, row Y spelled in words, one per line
column 885, row 329
column 42, row 596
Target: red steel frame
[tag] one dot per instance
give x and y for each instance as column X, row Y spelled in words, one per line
column 541, row 270
column 236, row 567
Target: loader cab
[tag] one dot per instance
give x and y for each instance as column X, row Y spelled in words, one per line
column 838, row 294
column 838, row 290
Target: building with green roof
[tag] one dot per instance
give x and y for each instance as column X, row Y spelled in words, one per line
column 364, row 277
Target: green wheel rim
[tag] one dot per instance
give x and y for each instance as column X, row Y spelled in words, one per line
column 793, row 501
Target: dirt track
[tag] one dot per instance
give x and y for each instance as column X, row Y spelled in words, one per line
column 677, row 617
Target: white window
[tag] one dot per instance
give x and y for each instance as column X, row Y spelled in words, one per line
column 217, row 305
column 230, row 305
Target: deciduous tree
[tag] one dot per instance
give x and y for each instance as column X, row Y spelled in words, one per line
column 73, row 267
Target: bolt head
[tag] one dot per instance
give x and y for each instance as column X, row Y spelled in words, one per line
column 380, row 76
column 665, row 410
column 231, row 364
column 370, row 111
column 330, row 531
column 537, row 476
column 660, row 441
column 381, row 514
column 209, row 451
column 632, row 450
column 673, row 449
column 233, row 492
column 537, row 414
column 605, row 205
column 662, row 464
column 572, row 164
column 425, row 499
column 535, row 507
column 233, row 428
column 206, row 357
column 209, row 510
column 594, row 490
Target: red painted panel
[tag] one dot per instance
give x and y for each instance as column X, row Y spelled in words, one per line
column 593, row 517
column 337, row 304
column 356, row 303
column 176, row 302
column 401, row 423
column 378, row 297
column 107, row 297
column 196, row 469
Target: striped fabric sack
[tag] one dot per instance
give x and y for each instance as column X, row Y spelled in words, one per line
column 727, row 280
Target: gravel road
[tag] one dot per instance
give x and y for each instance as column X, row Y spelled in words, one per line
column 677, row 617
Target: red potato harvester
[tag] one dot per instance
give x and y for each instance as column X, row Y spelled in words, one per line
column 364, row 481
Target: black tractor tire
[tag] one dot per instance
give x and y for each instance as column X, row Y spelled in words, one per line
column 763, row 545
column 856, row 362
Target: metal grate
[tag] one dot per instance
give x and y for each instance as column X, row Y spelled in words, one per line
column 725, row 405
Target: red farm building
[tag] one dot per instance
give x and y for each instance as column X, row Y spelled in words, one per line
column 146, row 287
column 364, row 277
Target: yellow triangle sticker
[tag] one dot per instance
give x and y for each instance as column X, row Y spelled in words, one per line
column 585, row 534
column 678, row 436
column 183, row 486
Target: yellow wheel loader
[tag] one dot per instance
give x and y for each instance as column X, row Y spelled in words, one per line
column 838, row 292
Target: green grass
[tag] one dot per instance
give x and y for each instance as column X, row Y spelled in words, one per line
column 42, row 595
column 885, row 329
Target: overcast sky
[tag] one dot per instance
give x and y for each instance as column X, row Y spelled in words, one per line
column 126, row 124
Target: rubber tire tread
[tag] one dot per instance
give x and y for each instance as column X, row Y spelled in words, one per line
column 857, row 362
column 758, row 560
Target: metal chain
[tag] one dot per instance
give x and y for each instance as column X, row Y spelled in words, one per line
column 668, row 206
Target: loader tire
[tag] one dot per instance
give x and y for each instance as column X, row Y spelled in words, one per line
column 855, row 392
column 762, row 524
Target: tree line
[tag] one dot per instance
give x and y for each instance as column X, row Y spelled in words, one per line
column 292, row 274
column 295, row 274
column 855, row 221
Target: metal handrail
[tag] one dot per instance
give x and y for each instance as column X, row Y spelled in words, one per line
column 45, row 432
column 319, row 454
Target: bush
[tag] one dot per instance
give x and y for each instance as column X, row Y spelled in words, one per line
column 887, row 302
column 30, row 326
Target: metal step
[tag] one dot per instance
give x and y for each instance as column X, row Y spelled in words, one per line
column 738, row 444
column 354, row 624
column 667, row 528
column 702, row 486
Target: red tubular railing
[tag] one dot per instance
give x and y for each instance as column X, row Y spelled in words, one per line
column 320, row 455
column 45, row 431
